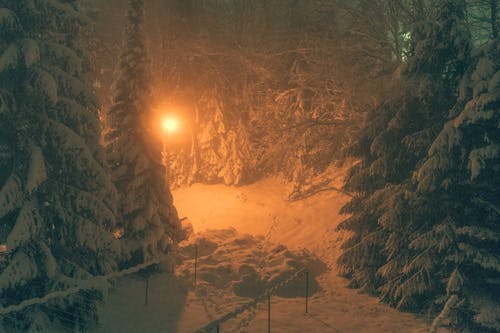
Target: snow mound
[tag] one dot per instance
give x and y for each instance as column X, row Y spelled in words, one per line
column 248, row 265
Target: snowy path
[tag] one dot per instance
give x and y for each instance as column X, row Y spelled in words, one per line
column 221, row 217
column 260, row 210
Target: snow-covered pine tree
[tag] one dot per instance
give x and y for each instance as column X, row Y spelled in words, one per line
column 57, row 202
column 395, row 139
column 458, row 242
column 442, row 55
column 218, row 149
column 221, row 148
column 146, row 212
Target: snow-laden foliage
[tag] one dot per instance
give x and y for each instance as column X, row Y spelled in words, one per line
column 425, row 218
column 461, row 173
column 214, row 147
column 257, row 86
column 304, row 124
column 146, row 213
column 57, row 203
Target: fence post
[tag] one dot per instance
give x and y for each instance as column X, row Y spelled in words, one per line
column 195, row 262
column 269, row 313
column 218, row 328
column 79, row 328
column 307, row 291
column 146, row 292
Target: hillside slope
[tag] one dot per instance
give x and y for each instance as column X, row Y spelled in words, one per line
column 262, row 211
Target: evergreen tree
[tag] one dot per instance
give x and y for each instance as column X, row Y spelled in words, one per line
column 394, row 140
column 215, row 148
column 57, row 203
column 147, row 215
column 459, row 239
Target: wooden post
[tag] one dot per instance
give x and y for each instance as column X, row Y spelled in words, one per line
column 146, row 292
column 195, row 263
column 218, row 328
column 269, row 313
column 307, row 291
column 79, row 327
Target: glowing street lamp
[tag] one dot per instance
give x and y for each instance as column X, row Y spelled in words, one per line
column 170, row 124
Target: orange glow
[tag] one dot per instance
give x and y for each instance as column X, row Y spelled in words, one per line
column 170, row 124
column 119, row 232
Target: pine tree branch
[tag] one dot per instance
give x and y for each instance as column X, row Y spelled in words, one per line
column 438, row 321
column 313, row 123
column 487, row 204
column 311, row 192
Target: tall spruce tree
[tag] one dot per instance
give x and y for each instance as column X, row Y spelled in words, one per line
column 459, row 239
column 146, row 211
column 57, row 202
column 393, row 142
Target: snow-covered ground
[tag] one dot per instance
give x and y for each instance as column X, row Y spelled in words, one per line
column 250, row 238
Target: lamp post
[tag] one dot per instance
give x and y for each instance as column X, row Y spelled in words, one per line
column 169, row 125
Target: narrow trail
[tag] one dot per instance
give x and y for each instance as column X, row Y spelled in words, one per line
column 261, row 210
column 249, row 239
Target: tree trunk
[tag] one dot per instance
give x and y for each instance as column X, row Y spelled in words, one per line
column 419, row 8
column 393, row 19
column 493, row 18
column 194, row 147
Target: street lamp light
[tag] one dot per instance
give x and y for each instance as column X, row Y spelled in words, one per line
column 169, row 125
